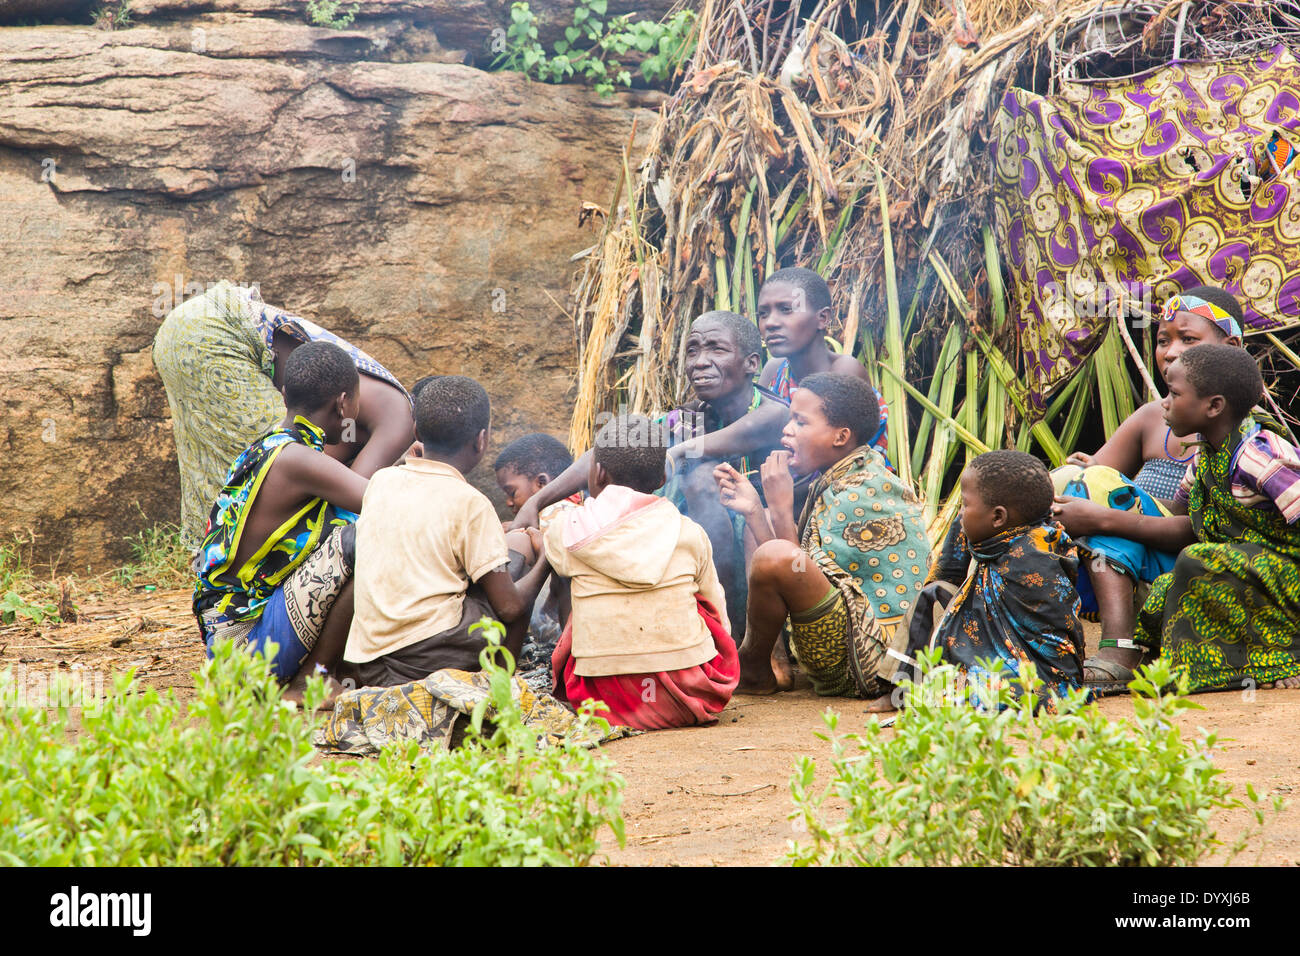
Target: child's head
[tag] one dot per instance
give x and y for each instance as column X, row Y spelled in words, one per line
column 630, row 450
column 420, row 383
column 723, row 354
column 1203, row 315
column 830, row 416
column 452, row 419
column 321, row 384
column 1209, row 385
column 527, row 465
column 794, row 309
column 1002, row 490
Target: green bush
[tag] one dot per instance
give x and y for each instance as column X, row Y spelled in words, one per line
column 327, row 13
column 113, row 14
column 158, row 558
column 234, row 780
column 593, row 49
column 18, row 599
column 963, row 785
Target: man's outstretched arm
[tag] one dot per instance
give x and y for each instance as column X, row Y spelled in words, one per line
column 570, row 481
column 754, row 430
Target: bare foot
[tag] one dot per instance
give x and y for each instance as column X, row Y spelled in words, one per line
column 782, row 668
column 756, row 678
column 757, row 686
column 883, row 704
column 298, row 687
column 1286, row 683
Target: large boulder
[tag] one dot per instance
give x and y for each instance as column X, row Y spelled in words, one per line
column 426, row 211
column 469, row 25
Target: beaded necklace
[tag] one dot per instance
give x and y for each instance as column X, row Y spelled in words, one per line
column 1181, row 461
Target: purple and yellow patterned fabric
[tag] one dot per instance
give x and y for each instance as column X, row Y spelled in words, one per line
column 1143, row 187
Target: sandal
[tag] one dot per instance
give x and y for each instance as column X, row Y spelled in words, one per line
column 1117, row 676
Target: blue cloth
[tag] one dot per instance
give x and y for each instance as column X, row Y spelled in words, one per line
column 274, row 627
column 1107, row 487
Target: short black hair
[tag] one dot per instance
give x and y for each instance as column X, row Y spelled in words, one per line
column 1222, row 298
column 1015, row 480
column 847, row 402
column 1227, row 371
column 450, row 411
column 743, row 332
column 633, row 451
column 534, row 455
column 420, row 383
column 814, row 287
column 317, row 372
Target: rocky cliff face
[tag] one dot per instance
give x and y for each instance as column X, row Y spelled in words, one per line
column 367, row 179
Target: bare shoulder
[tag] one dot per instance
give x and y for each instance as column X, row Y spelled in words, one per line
column 1150, row 418
column 285, row 477
column 381, row 398
column 295, row 455
column 1152, row 409
column 848, row 365
column 768, row 375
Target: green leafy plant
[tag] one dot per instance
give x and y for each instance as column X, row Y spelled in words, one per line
column 234, row 780
column 18, row 598
column 998, row 785
column 329, row 13
column 157, row 557
column 595, row 50
column 506, row 798
column 113, row 15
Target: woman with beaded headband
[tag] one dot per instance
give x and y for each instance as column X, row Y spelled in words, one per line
column 1102, row 508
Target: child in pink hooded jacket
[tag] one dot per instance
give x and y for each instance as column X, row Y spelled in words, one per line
column 648, row 633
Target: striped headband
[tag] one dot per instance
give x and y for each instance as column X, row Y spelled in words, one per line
column 1203, row 308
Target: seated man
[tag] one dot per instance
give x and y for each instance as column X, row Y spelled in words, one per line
column 846, row 575
column 276, row 562
column 1019, row 602
column 431, row 555
column 1228, row 615
column 648, row 634
column 731, row 420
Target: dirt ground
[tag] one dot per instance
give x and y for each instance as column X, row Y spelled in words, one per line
column 705, row 796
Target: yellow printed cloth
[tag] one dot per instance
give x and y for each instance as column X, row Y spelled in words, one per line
column 434, row 712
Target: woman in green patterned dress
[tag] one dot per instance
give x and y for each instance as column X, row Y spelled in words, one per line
column 1228, row 615
column 221, row 357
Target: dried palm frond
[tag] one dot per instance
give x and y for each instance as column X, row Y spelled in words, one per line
column 851, row 139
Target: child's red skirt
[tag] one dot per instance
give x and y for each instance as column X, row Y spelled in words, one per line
column 680, row 698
